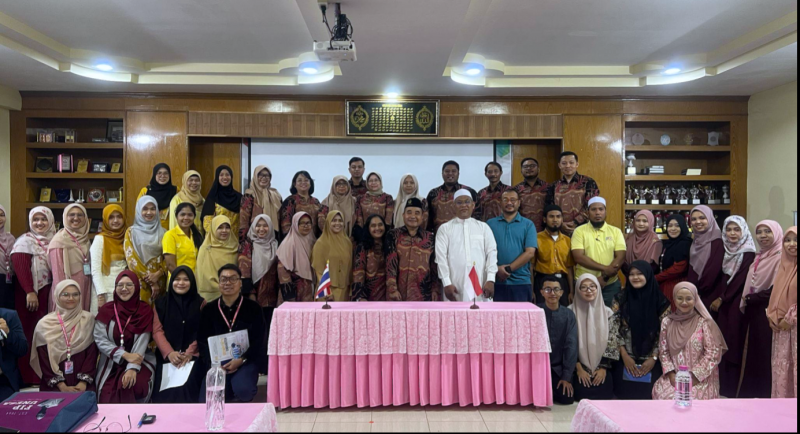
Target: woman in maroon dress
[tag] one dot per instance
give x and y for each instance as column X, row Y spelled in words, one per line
column 707, row 255
column 301, row 200
column 65, row 355
column 369, row 262
column 674, row 261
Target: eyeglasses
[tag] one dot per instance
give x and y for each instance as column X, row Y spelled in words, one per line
column 591, row 288
column 304, row 224
column 552, row 290
column 228, row 280
column 126, row 286
column 506, row 200
column 68, row 295
column 108, row 428
column 529, row 166
column 260, row 175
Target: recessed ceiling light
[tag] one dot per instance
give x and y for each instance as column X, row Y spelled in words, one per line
column 310, row 70
column 672, row 71
column 392, row 95
column 474, row 71
column 105, row 67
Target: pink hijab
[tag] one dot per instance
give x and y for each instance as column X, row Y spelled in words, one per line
column 701, row 248
column 295, row 251
column 644, row 246
column 762, row 272
column 784, row 291
column 684, row 325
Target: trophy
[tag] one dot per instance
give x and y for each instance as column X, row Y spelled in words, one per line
column 648, row 196
column 657, row 197
column 631, row 168
column 711, row 195
column 726, row 197
column 688, row 216
column 660, row 223
column 629, row 195
column 695, row 192
column 684, row 198
column 80, row 197
column 71, row 197
column 669, row 199
column 637, row 195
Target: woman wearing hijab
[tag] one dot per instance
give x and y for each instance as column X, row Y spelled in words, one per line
column 108, row 254
column 674, row 260
column 740, row 253
column 757, row 378
column 409, row 188
column 162, row 190
column 222, row 200
column 175, row 325
column 375, row 202
column 33, row 283
column 644, row 243
column 295, row 274
column 259, row 199
column 220, row 248
column 143, row 249
column 181, row 243
column 6, row 270
column 122, row 332
column 69, row 258
column 707, row 256
column 369, row 262
column 782, row 314
column 691, row 338
column 258, row 253
column 641, row 308
column 190, row 193
column 341, row 199
column 334, row 250
column 301, row 200
column 598, row 348
column 64, row 354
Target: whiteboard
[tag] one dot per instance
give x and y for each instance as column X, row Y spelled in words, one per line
column 392, row 159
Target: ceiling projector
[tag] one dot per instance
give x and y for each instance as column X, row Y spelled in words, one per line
column 341, row 47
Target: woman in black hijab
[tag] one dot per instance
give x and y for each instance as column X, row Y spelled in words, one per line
column 674, row 263
column 161, row 189
column 222, row 199
column 175, row 325
column 641, row 308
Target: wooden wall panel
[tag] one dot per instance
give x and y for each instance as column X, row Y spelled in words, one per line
column 739, row 138
column 598, row 142
column 152, row 138
column 501, row 127
column 206, row 154
column 546, row 152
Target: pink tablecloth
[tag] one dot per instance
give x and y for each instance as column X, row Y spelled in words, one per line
column 384, row 354
column 722, row 415
column 184, row 418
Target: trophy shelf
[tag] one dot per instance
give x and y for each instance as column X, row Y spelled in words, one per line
column 56, row 205
column 695, row 148
column 673, row 207
column 678, row 178
column 79, row 176
column 75, row 146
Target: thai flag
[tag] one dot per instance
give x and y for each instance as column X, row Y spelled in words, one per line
column 324, row 289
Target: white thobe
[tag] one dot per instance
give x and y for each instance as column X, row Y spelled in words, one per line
column 460, row 244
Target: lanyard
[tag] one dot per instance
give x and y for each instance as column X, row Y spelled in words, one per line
column 230, row 324
column 37, row 242
column 68, row 340
column 119, row 325
column 77, row 244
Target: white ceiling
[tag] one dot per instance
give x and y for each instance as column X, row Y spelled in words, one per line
column 403, row 45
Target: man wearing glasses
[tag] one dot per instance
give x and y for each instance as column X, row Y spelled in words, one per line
column 563, row 329
column 516, row 247
column 229, row 314
column 532, row 193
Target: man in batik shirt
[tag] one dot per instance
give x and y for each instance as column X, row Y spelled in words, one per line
column 572, row 193
column 490, row 199
column 441, row 202
column 358, row 186
column 532, row 194
column 411, row 262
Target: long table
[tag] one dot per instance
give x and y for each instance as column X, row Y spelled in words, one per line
column 182, row 418
column 721, row 415
column 388, row 354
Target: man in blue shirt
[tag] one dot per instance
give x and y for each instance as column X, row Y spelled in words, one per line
column 12, row 347
column 516, row 246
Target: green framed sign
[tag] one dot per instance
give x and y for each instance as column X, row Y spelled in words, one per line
column 382, row 118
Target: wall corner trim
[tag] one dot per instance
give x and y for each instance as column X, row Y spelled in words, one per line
column 10, row 98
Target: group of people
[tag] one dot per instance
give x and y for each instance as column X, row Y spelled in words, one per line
column 192, row 266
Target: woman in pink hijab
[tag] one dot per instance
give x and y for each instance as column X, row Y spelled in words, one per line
column 782, row 314
column 643, row 243
column 707, row 256
column 691, row 338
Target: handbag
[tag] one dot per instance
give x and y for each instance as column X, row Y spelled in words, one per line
column 40, row 412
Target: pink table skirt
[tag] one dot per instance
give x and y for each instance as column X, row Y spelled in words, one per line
column 722, row 415
column 385, row 354
column 183, row 418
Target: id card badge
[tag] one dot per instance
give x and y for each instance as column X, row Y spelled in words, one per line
column 69, row 367
column 8, row 275
column 87, row 269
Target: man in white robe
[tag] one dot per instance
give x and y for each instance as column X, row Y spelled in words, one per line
column 461, row 244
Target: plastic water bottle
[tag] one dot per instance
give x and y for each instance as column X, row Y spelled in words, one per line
column 683, row 388
column 215, row 398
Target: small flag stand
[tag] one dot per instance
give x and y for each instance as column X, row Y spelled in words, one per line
column 476, row 286
column 324, row 289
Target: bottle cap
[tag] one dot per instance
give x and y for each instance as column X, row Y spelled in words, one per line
column 684, row 368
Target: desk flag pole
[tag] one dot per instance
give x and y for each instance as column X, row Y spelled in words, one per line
column 324, row 289
column 476, row 286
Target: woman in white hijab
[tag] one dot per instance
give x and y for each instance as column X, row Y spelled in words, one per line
column 409, row 189
column 144, row 250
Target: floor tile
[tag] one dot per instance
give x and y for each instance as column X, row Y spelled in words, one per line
column 555, row 417
column 558, row 427
column 454, row 415
column 295, row 427
column 510, row 414
column 403, row 414
column 458, row 427
column 408, row 426
column 297, row 416
column 518, row 426
column 342, row 427
column 344, row 416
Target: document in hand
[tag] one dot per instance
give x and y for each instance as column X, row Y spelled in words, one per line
column 221, row 347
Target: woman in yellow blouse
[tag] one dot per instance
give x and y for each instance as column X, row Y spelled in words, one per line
column 162, row 190
column 192, row 184
column 181, row 243
column 143, row 249
column 222, row 199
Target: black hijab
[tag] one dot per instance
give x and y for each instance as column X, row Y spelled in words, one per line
column 163, row 194
column 180, row 314
column 225, row 197
column 197, row 238
column 677, row 249
column 641, row 309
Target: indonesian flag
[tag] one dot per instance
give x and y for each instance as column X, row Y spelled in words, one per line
column 324, row 289
column 476, row 283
